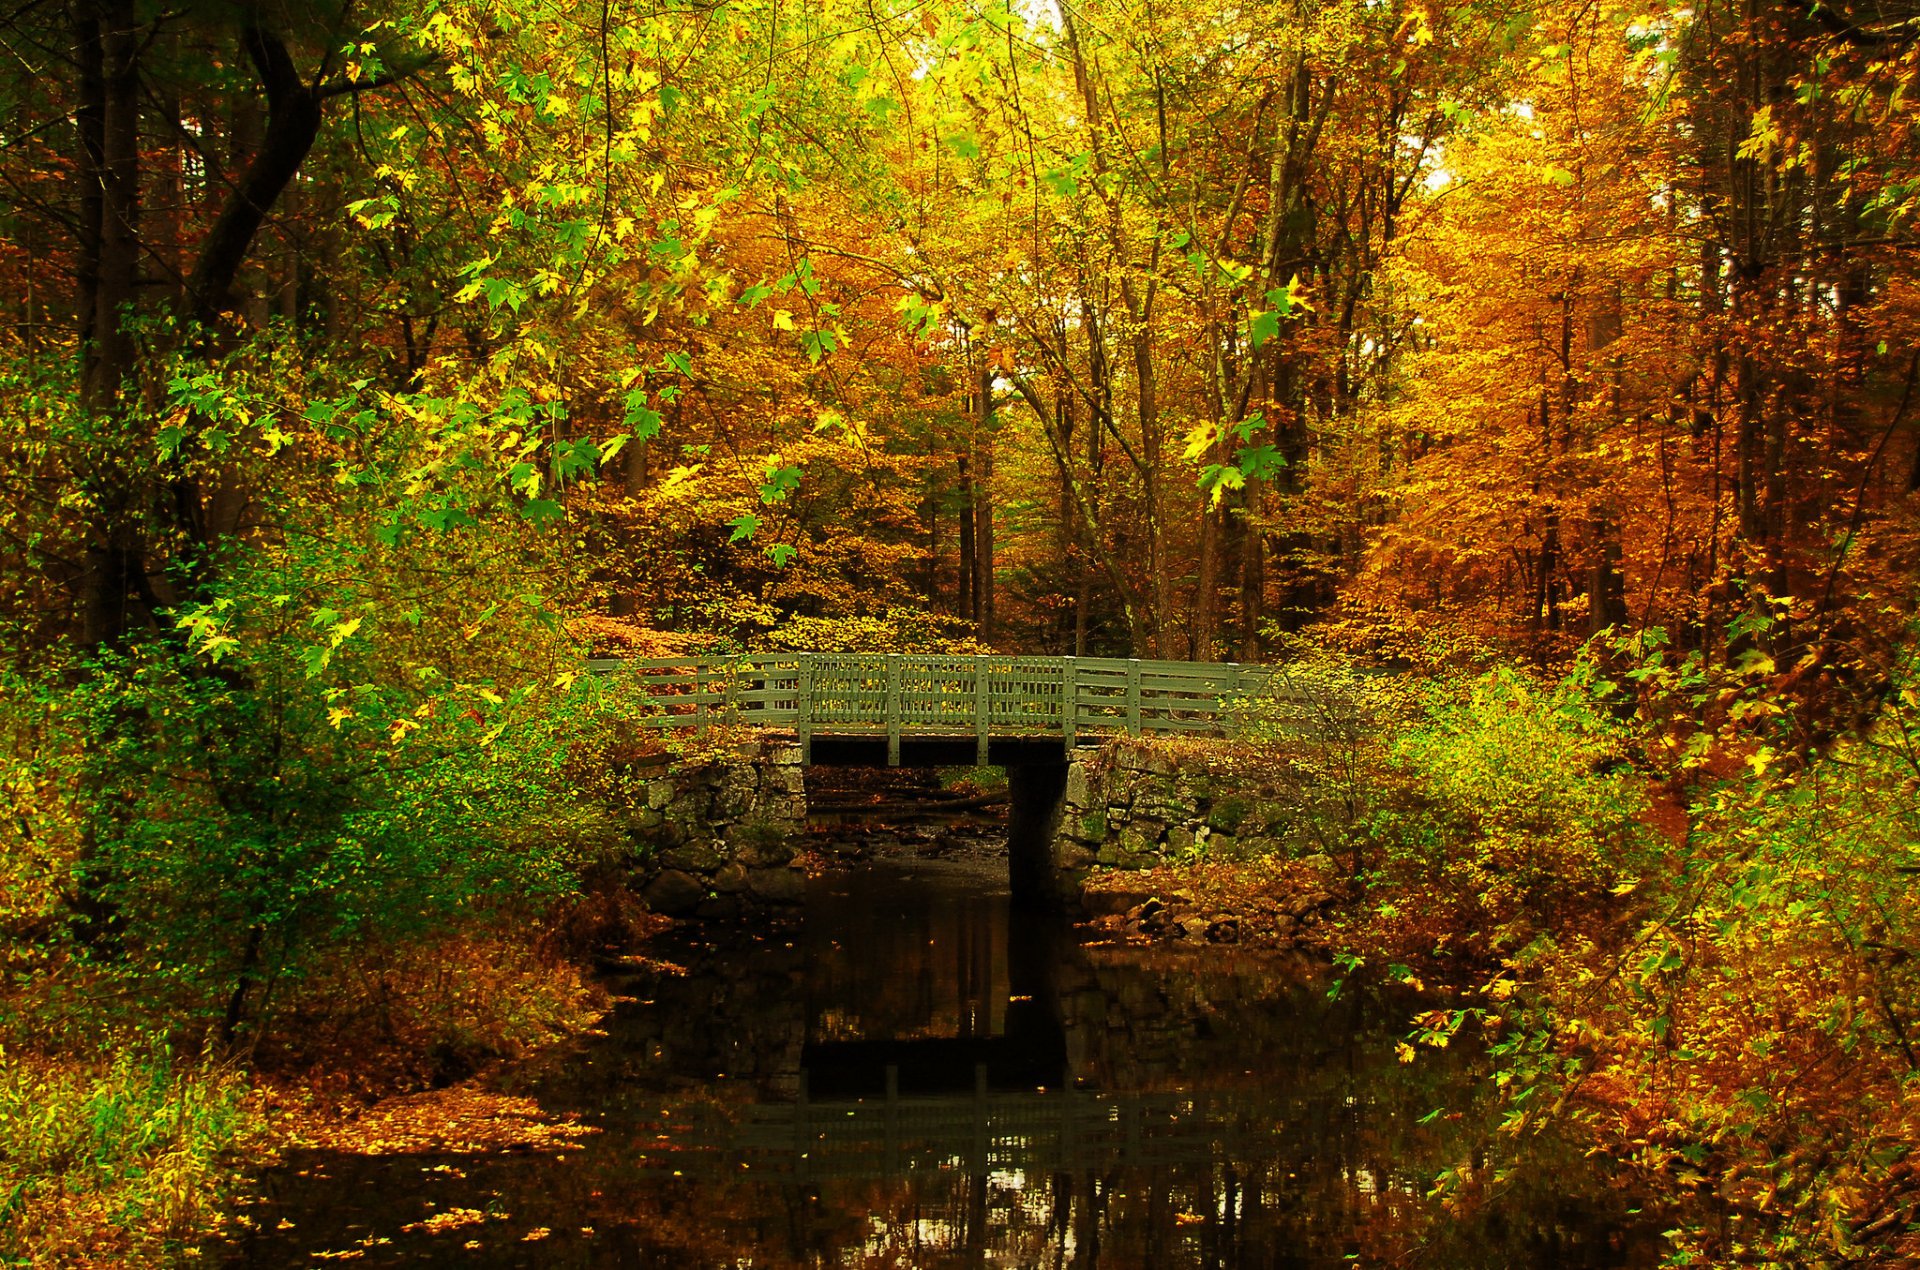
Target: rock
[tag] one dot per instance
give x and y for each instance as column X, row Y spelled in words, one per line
column 660, row 794
column 1077, row 793
column 1225, row 930
column 730, row 878
column 1227, row 814
column 1068, row 854
column 1180, row 840
column 764, row 852
column 778, row 885
column 1320, row 863
column 1156, row 919
column 674, row 893
column 694, row 857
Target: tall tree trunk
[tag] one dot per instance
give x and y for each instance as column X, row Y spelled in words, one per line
column 1067, row 538
column 983, row 505
column 109, row 127
column 293, row 124
column 967, row 521
column 1206, row 592
column 1159, row 571
column 1606, row 586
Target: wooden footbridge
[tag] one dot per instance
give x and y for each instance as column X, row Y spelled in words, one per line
column 991, row 698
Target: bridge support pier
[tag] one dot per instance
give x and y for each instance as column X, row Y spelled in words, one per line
column 1036, row 794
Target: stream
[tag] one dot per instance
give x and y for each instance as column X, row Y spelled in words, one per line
column 916, row 1073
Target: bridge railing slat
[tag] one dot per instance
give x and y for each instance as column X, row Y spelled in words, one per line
column 896, row 695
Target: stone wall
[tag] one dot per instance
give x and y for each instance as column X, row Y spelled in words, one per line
column 718, row 837
column 1141, row 804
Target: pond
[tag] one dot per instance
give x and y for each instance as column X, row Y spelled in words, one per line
column 916, row 1073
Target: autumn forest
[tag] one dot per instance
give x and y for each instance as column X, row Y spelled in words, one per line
column 1540, row 374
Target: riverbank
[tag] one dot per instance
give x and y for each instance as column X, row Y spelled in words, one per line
column 138, row 1153
column 1689, row 951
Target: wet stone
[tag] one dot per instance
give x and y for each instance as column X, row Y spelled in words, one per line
column 674, row 893
column 764, row 855
column 777, row 886
column 695, row 857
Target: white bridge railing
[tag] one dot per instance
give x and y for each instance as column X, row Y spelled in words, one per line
column 897, row 695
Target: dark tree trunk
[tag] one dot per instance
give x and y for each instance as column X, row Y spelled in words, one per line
column 293, row 124
column 109, row 126
column 983, row 506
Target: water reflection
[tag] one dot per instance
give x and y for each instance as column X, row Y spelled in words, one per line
column 920, row 1077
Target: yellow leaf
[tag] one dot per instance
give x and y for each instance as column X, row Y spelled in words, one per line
column 1204, row 434
column 782, row 320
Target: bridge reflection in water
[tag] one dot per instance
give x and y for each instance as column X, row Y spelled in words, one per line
column 941, row 1043
column 975, row 1088
column 926, row 1077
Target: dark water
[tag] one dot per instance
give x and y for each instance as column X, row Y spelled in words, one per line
column 919, row 1076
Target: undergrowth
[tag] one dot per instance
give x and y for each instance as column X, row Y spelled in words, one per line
column 114, row 1162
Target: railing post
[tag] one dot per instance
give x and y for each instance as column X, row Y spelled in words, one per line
column 700, row 696
column 982, row 721
column 1069, row 702
column 893, row 709
column 803, row 720
column 1223, row 717
column 1133, row 696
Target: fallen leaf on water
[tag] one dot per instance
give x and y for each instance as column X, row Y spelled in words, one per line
column 457, row 1119
column 451, row 1219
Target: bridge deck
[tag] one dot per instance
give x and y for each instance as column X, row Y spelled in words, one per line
column 897, row 697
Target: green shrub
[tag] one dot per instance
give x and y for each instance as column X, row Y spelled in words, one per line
column 112, row 1163
column 1532, row 804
